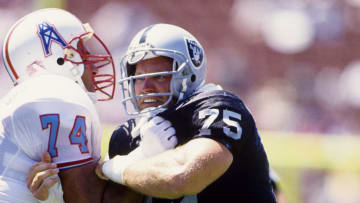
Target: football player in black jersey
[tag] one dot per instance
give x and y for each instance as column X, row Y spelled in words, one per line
column 218, row 153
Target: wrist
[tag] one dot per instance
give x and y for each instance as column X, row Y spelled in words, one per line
column 115, row 167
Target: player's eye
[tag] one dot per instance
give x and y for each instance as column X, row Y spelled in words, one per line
column 139, row 79
column 161, row 77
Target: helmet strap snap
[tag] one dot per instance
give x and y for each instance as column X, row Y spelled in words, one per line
column 60, row 61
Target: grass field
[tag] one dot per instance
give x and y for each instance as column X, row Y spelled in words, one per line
column 107, row 131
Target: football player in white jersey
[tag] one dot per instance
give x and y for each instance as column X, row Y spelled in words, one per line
column 51, row 108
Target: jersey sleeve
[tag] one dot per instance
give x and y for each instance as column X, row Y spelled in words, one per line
column 121, row 141
column 225, row 119
column 68, row 131
column 218, row 115
column 231, row 125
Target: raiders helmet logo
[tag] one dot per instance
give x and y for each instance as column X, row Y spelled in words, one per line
column 195, row 52
column 138, row 53
column 135, row 57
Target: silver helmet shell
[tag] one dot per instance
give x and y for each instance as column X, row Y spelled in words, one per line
column 188, row 70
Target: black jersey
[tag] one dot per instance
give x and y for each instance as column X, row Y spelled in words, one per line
column 223, row 117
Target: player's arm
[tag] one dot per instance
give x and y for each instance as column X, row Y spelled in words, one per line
column 75, row 148
column 81, row 185
column 41, row 177
column 187, row 169
column 117, row 193
column 40, row 180
column 39, row 183
column 92, row 189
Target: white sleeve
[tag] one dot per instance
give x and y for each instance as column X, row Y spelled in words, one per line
column 96, row 140
column 69, row 132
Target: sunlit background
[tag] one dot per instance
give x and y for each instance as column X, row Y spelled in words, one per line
column 295, row 64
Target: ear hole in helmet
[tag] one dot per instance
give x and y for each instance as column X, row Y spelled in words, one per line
column 193, row 78
column 60, row 61
column 131, row 69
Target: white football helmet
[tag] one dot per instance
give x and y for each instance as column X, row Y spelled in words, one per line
column 189, row 64
column 53, row 41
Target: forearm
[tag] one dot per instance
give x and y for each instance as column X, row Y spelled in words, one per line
column 185, row 170
column 81, row 185
column 158, row 176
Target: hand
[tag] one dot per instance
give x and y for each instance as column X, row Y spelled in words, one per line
column 157, row 135
column 114, row 168
column 38, row 181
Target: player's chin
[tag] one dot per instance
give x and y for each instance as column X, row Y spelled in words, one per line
column 91, row 88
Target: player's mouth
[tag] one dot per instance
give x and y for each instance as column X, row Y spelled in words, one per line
column 150, row 102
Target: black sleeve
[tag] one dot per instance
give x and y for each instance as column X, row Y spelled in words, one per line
column 229, row 123
column 223, row 117
column 218, row 115
column 121, row 142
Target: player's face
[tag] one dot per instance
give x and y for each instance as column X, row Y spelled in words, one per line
column 156, row 84
column 89, row 71
column 87, row 80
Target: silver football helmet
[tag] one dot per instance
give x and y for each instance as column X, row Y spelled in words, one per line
column 188, row 70
column 53, row 41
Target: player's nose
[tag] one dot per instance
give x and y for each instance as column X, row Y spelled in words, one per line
column 149, row 84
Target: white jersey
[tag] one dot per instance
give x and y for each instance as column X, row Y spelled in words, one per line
column 45, row 113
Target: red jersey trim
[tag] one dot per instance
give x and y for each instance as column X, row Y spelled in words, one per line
column 74, row 163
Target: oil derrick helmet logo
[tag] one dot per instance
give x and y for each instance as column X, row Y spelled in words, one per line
column 195, row 52
column 48, row 34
